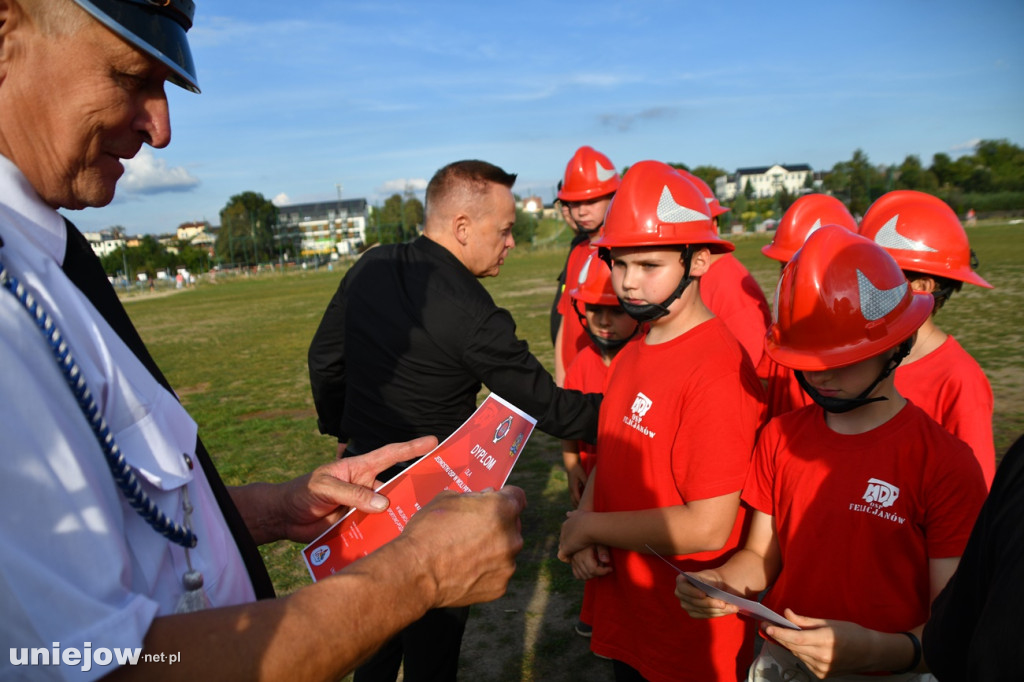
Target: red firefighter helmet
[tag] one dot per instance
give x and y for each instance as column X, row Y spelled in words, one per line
column 807, row 214
column 841, row 299
column 595, row 283
column 923, row 234
column 656, row 206
column 589, row 175
column 709, row 196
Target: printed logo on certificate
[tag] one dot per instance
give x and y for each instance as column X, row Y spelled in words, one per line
column 480, row 454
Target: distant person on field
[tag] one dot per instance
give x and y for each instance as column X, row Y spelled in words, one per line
column 925, row 237
column 862, row 503
column 728, row 289
column 589, row 184
column 806, row 216
column 671, row 457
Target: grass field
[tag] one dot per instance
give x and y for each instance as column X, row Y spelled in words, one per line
column 236, row 353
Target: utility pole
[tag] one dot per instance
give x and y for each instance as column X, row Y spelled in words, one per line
column 337, row 215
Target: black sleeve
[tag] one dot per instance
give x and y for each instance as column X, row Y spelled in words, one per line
column 505, row 365
column 974, row 629
column 326, row 360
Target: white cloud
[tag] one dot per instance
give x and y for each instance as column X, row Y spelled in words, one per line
column 401, row 184
column 281, row 200
column 968, row 146
column 146, row 174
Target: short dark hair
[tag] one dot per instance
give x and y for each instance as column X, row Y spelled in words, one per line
column 476, row 174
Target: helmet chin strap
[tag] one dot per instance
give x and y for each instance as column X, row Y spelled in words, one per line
column 600, row 341
column 648, row 312
column 842, row 405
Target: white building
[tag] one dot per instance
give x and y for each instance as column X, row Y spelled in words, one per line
column 103, row 243
column 764, row 181
column 323, row 228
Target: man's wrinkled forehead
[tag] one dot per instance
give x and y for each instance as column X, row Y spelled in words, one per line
column 156, row 27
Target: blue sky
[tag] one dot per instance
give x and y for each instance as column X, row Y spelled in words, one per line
column 375, row 96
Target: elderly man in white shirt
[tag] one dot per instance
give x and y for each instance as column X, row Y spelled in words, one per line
column 81, row 89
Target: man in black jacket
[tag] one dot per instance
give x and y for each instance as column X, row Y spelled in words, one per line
column 405, row 345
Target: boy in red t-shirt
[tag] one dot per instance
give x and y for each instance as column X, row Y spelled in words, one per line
column 589, row 184
column 926, row 238
column 862, row 503
column 609, row 328
column 670, row 458
column 729, row 290
column 805, row 217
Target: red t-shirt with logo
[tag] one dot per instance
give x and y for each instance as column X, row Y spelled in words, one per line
column 859, row 516
column 949, row 385
column 734, row 296
column 588, row 374
column 677, row 424
column 574, row 338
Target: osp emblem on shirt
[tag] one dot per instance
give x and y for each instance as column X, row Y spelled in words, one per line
column 641, row 404
column 879, row 495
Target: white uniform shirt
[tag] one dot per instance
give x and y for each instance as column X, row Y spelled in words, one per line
column 77, row 564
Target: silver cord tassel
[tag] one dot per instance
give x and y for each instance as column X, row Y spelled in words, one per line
column 194, row 597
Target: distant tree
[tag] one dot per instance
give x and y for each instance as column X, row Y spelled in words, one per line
column 785, row 199
column 149, row 257
column 195, row 259
column 1005, row 162
column 412, row 216
column 909, row 173
column 708, row 174
column 390, row 216
column 748, row 189
column 525, row 227
column 837, row 180
column 942, row 168
column 856, row 182
column 247, row 225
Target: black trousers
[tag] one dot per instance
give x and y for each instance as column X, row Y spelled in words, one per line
column 430, row 648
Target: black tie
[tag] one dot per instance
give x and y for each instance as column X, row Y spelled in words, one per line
column 83, row 268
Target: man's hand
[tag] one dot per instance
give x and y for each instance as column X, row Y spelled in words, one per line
column 303, row 508
column 466, row 544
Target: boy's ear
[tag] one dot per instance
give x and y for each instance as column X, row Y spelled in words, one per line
column 700, row 261
column 924, row 283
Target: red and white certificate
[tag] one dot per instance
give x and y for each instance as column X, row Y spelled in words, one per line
column 480, row 454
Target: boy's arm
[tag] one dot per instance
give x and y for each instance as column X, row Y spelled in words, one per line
column 833, row 647
column 697, row 526
column 574, row 470
column 747, row 572
column 559, row 363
